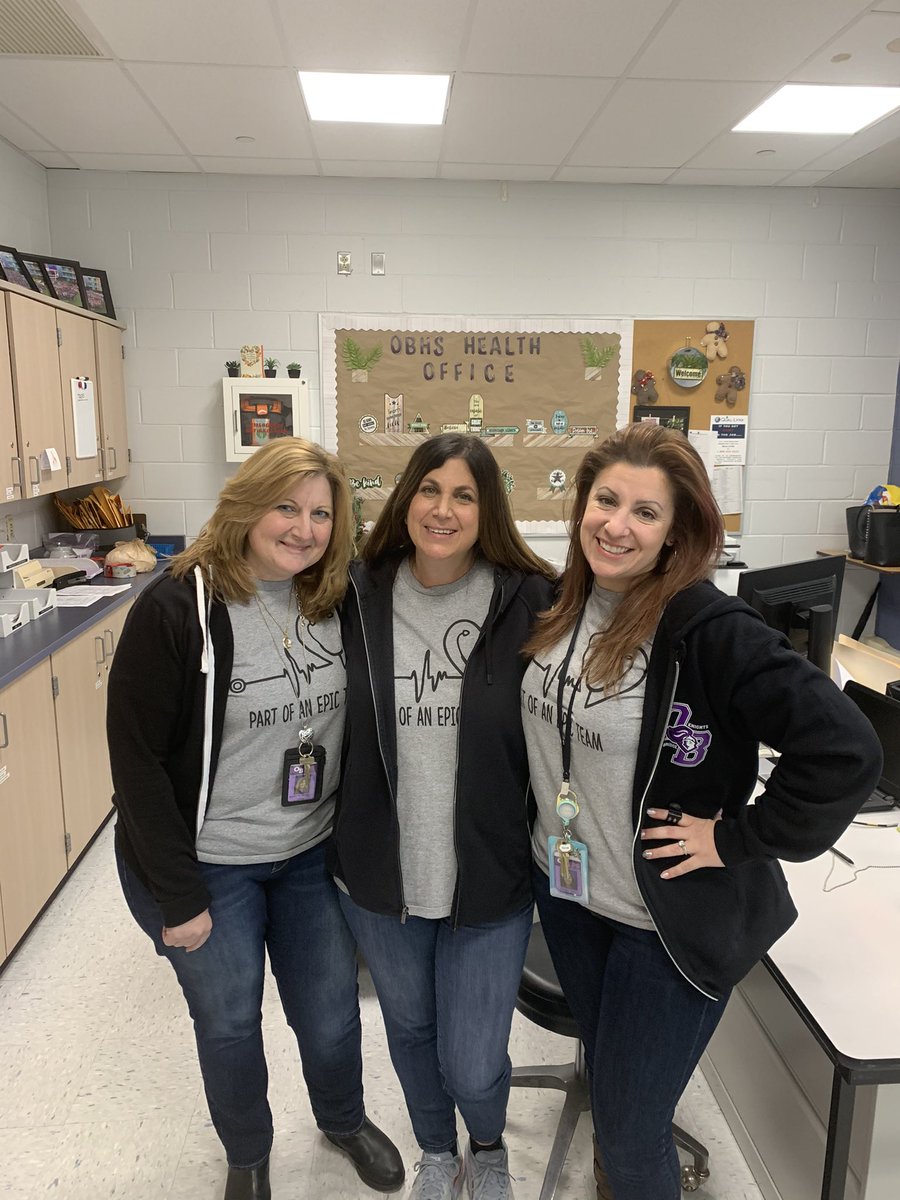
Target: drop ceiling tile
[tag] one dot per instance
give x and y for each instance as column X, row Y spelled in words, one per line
column 583, row 37
column 765, row 151
column 381, row 170
column 880, row 169
column 134, row 162
column 398, row 143
column 223, row 165
column 52, row 158
column 83, row 105
column 884, row 133
column 764, row 40
column 499, row 171
column 726, row 177
column 208, row 107
column 18, row 134
column 494, row 118
column 870, row 61
column 359, row 35
column 804, row 178
column 658, row 124
column 204, row 31
column 614, row 174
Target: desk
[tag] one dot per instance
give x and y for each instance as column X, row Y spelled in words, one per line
column 837, row 968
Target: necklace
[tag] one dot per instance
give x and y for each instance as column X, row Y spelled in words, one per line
column 293, row 599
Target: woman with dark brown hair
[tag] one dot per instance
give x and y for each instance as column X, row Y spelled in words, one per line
column 644, row 704
column 431, row 837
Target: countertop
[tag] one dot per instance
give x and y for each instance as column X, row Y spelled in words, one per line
column 51, row 631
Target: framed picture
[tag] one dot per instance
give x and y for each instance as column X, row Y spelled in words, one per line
column 12, row 269
column 36, row 273
column 670, row 417
column 64, row 279
column 96, row 291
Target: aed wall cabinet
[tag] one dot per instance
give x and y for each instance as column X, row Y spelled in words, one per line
column 258, row 411
column 44, row 346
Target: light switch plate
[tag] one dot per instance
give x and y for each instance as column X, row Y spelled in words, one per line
column 344, row 264
column 377, row 262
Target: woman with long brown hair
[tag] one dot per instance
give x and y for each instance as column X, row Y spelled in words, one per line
column 644, row 704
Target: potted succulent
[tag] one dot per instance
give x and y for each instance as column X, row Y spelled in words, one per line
column 270, row 366
column 233, row 368
column 293, row 370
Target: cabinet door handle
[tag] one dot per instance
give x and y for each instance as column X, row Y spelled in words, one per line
column 5, row 741
column 99, row 652
column 20, row 471
column 102, row 459
column 108, row 633
column 115, row 460
column 33, row 458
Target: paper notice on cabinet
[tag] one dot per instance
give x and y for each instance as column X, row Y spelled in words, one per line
column 728, row 489
column 84, row 415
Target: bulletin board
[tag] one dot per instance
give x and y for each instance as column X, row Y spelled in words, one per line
column 728, row 377
column 539, row 392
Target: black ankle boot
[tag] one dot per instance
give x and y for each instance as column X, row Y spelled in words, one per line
column 248, row 1183
column 376, row 1158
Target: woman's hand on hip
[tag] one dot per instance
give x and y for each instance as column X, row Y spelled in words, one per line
column 691, row 841
column 191, row 935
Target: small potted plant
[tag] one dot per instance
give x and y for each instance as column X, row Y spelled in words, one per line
column 233, row 368
column 270, row 366
column 293, row 370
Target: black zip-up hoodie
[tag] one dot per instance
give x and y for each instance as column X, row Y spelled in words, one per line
column 719, row 682
column 490, row 812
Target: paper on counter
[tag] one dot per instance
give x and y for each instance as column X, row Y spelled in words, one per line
column 81, row 597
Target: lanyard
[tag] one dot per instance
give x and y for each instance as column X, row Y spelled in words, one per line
column 564, row 723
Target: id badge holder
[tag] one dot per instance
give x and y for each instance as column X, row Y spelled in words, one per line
column 568, row 862
column 303, row 774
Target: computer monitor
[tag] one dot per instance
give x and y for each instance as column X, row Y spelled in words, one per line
column 884, row 716
column 800, row 600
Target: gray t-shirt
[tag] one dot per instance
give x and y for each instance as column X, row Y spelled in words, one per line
column 605, row 732
column 434, row 631
column 273, row 692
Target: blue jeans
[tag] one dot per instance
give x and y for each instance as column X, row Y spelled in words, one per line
column 291, row 909
column 644, row 1028
column 447, row 996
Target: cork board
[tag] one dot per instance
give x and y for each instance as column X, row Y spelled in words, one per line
column 654, row 344
column 539, row 397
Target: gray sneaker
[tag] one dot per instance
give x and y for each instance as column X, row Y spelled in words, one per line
column 438, row 1177
column 487, row 1174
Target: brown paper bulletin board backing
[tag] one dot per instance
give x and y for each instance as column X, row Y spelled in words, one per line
column 533, row 396
column 654, row 344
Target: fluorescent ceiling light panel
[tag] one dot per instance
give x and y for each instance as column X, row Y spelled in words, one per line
column 375, row 99
column 819, row 108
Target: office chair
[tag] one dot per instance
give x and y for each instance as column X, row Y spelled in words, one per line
column 541, row 1000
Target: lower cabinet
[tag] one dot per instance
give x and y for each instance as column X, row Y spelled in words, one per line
column 81, row 671
column 32, row 834
column 55, row 785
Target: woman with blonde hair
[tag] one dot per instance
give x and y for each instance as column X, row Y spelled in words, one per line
column 646, row 699
column 226, row 718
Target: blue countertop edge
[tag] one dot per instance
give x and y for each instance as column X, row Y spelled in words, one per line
column 49, row 633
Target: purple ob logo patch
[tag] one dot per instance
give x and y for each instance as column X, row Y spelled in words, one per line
column 690, row 742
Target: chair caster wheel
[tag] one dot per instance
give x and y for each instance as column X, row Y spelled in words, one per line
column 691, row 1178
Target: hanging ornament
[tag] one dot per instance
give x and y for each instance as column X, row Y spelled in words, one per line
column 729, row 384
column 643, row 385
column 713, row 341
column 688, row 366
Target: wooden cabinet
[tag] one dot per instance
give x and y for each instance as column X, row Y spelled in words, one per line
column 77, row 359
column 81, row 671
column 44, row 345
column 11, row 475
column 35, row 370
column 32, row 837
column 111, row 388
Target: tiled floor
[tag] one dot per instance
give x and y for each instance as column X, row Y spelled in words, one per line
column 100, row 1094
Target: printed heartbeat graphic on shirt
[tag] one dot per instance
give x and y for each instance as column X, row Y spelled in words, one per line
column 592, row 695
column 458, row 641
column 319, row 648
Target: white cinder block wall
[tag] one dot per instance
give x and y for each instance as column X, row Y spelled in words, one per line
column 200, row 264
